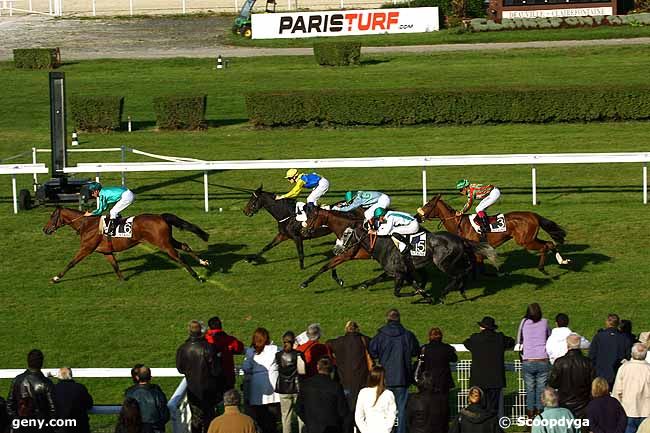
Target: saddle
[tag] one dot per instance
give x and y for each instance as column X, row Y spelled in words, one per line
column 497, row 223
column 418, row 244
column 123, row 228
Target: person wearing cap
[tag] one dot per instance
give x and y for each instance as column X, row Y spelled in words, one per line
column 317, row 183
column 368, row 200
column 118, row 196
column 488, row 355
column 398, row 225
column 313, row 350
column 488, row 194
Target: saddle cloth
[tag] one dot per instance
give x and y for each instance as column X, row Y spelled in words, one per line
column 301, row 216
column 418, row 244
column 497, row 223
column 124, row 228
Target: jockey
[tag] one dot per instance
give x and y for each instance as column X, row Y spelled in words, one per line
column 119, row 196
column 488, row 194
column 369, row 200
column 399, row 226
column 317, row 183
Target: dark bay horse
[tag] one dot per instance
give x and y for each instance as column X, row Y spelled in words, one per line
column 448, row 252
column 154, row 229
column 523, row 227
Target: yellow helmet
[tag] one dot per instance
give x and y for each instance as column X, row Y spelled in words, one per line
column 291, row 173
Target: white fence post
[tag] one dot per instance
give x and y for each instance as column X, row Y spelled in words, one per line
column 183, row 6
column 13, row 190
column 205, row 190
column 34, row 174
column 123, row 160
column 97, row 199
column 50, row 5
column 534, row 176
column 131, row 7
column 236, row 7
column 645, row 183
column 424, row 186
column 94, row 8
column 30, row 6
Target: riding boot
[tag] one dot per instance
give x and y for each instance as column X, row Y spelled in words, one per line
column 112, row 225
column 485, row 227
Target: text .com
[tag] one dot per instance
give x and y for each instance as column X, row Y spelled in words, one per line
column 564, row 423
column 42, row 423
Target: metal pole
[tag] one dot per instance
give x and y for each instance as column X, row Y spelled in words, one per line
column 61, row 8
column 94, row 8
column 183, row 5
column 131, row 7
column 30, row 6
column 35, row 175
column 50, row 5
column 205, row 190
column 123, row 160
column 13, row 190
column 645, row 183
column 424, row 186
column 97, row 199
column 534, row 176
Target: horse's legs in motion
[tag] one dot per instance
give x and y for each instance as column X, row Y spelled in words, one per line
column 183, row 246
column 399, row 282
column 110, row 257
column 337, row 260
column 173, row 254
column 279, row 238
column 378, row 279
column 81, row 254
column 335, row 277
column 301, row 251
column 543, row 247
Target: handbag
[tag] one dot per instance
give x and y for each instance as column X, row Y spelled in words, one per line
column 369, row 362
column 418, row 366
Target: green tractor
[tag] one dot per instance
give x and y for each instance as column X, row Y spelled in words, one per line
column 242, row 24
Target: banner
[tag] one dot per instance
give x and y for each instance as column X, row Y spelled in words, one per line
column 557, row 13
column 344, row 23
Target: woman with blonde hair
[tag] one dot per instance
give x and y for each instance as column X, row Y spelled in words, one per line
column 605, row 413
column 376, row 409
column 475, row 418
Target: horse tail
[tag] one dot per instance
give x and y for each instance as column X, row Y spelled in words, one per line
column 175, row 221
column 481, row 249
column 556, row 232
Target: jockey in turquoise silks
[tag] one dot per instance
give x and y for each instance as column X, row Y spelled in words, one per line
column 118, row 196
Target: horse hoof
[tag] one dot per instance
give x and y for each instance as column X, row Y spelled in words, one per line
column 201, row 280
column 251, row 259
column 340, row 283
column 363, row 286
column 205, row 263
column 55, row 279
column 304, row 285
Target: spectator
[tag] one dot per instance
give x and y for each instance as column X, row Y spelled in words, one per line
column 291, row 365
column 4, row 418
column 313, row 350
column 475, row 418
column 321, row 403
column 532, row 335
column 129, row 419
column 197, row 360
column 261, row 376
column 605, row 413
column 72, row 401
column 488, row 368
column 32, row 394
column 152, row 402
column 645, row 426
column 572, row 376
column 134, row 374
column 375, row 410
column 427, row 411
column 352, row 359
column 556, row 344
column 608, row 348
column 232, row 421
column 554, row 415
column 436, row 357
column 632, row 387
column 227, row 346
column 626, row 329
column 395, row 346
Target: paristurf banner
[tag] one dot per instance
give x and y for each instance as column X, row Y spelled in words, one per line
column 344, row 23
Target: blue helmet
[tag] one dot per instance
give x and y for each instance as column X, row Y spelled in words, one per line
column 94, row 186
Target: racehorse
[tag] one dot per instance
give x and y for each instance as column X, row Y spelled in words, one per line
column 154, row 229
column 450, row 253
column 284, row 212
column 523, row 227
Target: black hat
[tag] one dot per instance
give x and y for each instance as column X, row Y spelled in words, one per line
column 488, row 323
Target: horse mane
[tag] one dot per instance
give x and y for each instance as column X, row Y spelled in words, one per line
column 445, row 204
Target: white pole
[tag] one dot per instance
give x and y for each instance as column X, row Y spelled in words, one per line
column 534, row 176
column 183, row 3
column 205, row 190
column 60, row 8
column 342, row 6
column 13, row 190
column 94, row 8
column 97, row 180
column 123, row 160
column 131, row 7
column 34, row 162
column 236, row 6
column 424, row 186
column 30, row 6
column 645, row 183
column 50, row 4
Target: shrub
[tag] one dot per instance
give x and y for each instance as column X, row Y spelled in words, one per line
column 337, row 53
column 180, row 112
column 416, row 106
column 97, row 113
column 37, row 58
column 476, row 9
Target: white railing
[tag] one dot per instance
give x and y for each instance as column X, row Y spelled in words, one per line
column 15, row 169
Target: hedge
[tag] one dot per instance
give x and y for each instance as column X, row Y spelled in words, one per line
column 180, row 112
column 483, row 25
column 337, row 53
column 37, row 58
column 97, row 113
column 418, row 106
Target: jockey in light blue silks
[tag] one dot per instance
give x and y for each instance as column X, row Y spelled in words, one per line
column 118, row 196
column 398, row 225
column 369, row 200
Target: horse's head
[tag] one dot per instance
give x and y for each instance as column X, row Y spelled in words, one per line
column 316, row 218
column 255, row 202
column 430, row 210
column 55, row 222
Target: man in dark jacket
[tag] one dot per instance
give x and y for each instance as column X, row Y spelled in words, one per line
column 488, row 370
column 31, row 394
column 4, row 418
column 572, row 375
column 351, row 354
column 72, row 402
column 608, row 348
column 321, row 403
column 395, row 347
column 227, row 346
column 152, row 402
column 197, row 360
column 427, row 411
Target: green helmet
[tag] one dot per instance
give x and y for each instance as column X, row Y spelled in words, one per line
column 348, row 196
column 94, row 186
column 379, row 212
column 463, row 183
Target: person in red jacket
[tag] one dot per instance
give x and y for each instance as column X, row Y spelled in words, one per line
column 314, row 350
column 228, row 346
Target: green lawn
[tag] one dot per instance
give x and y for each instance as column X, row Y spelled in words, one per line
column 92, row 320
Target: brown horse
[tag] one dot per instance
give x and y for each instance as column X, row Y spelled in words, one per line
column 154, row 229
column 523, row 227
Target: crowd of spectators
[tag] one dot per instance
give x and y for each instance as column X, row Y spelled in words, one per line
column 357, row 383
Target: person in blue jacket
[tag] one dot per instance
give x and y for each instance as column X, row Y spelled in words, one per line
column 118, row 196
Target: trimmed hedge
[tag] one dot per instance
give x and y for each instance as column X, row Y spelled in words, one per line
column 180, row 112
column 337, row 53
column 97, row 113
column 37, row 58
column 417, row 106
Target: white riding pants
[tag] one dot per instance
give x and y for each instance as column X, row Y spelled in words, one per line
column 319, row 191
column 489, row 200
column 409, row 229
column 123, row 203
column 383, row 202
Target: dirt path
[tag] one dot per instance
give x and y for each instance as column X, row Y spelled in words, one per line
column 181, row 37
